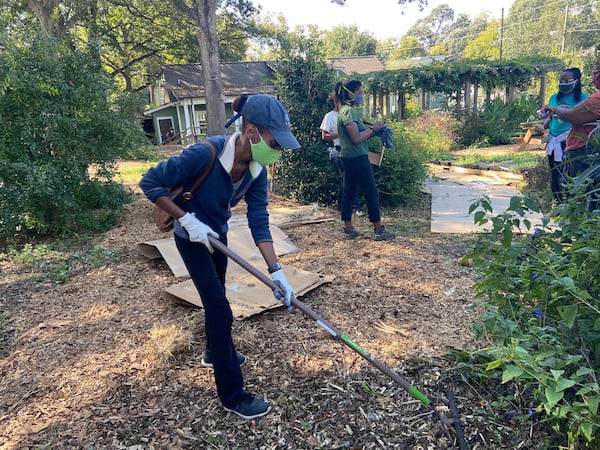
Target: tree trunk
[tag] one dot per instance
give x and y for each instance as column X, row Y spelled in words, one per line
column 53, row 19
column 205, row 12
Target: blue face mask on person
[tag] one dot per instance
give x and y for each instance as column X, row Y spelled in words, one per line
column 358, row 98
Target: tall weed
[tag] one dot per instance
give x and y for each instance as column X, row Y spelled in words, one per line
column 435, row 133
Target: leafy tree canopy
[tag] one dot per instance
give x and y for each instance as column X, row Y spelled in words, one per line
column 551, row 28
column 348, row 40
column 485, row 45
column 432, row 29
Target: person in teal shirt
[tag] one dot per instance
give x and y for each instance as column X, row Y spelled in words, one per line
column 353, row 135
column 569, row 94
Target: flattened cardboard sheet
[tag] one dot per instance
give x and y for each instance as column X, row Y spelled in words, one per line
column 247, row 295
column 239, row 240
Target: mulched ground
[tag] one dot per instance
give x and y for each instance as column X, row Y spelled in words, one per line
column 79, row 366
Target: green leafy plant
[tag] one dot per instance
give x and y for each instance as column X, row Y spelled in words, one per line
column 304, row 83
column 70, row 122
column 434, row 131
column 495, row 124
column 55, row 262
column 403, row 171
column 542, row 317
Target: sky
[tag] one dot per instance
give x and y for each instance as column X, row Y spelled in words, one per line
column 382, row 18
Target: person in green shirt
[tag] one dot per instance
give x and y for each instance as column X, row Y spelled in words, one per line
column 354, row 134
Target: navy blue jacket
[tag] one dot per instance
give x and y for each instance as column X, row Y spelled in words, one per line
column 213, row 199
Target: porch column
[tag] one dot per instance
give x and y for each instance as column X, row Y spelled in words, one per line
column 187, row 120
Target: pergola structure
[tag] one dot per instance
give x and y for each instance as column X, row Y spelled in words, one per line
column 462, row 81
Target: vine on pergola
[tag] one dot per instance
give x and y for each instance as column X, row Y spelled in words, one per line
column 451, row 78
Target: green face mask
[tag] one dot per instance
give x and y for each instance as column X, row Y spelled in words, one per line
column 262, row 153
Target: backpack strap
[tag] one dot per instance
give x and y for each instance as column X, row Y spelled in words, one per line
column 188, row 195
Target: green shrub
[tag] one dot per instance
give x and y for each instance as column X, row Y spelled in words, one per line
column 304, row 83
column 495, row 124
column 402, row 173
column 434, row 131
column 307, row 176
column 69, row 122
column 542, row 319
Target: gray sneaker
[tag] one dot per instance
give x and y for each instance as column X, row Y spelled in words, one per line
column 383, row 235
column 250, row 408
column 351, row 234
column 208, row 362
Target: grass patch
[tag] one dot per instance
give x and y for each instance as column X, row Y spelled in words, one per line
column 518, row 161
column 131, row 172
column 55, row 262
column 413, row 219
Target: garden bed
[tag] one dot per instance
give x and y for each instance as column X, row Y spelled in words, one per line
column 79, row 364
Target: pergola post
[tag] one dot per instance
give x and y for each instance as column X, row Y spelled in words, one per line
column 401, row 105
column 388, row 106
column 542, row 93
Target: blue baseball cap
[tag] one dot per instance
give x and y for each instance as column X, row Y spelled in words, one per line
column 268, row 112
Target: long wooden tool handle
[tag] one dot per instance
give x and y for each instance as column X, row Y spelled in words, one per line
column 322, row 322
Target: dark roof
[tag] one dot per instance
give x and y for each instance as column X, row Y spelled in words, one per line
column 357, row 64
column 186, row 80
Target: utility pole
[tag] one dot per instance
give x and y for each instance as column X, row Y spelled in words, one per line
column 564, row 31
column 501, row 30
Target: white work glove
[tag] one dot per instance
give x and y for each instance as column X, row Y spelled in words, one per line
column 198, row 231
column 285, row 293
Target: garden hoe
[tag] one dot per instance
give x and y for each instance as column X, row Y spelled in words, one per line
column 337, row 334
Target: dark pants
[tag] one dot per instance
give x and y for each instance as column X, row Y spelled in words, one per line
column 359, row 173
column 334, row 157
column 208, row 274
column 579, row 160
column 557, row 177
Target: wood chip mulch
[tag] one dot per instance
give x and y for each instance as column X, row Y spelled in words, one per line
column 79, row 366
